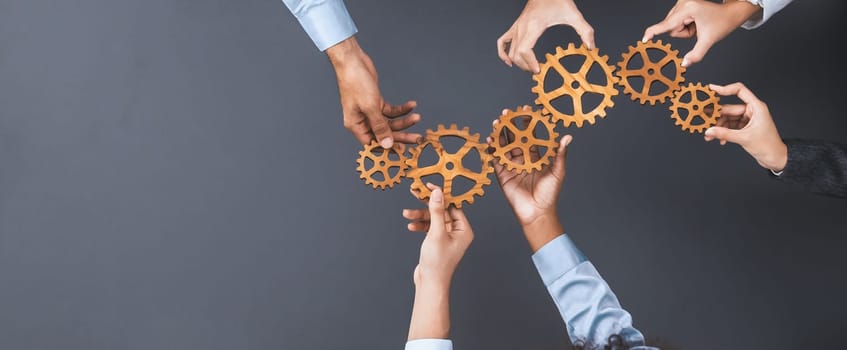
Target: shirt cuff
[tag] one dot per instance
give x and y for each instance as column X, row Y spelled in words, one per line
column 326, row 22
column 769, row 8
column 556, row 258
column 429, row 344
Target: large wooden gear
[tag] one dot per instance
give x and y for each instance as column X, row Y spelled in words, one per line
column 449, row 165
column 382, row 164
column 650, row 71
column 707, row 110
column 575, row 85
column 524, row 139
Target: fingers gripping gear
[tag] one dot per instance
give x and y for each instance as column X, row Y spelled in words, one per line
column 650, row 71
column 449, row 165
column 575, row 85
column 382, row 164
column 508, row 136
column 707, row 110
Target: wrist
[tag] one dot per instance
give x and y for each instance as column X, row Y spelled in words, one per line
column 742, row 10
column 343, row 52
column 777, row 158
column 542, row 230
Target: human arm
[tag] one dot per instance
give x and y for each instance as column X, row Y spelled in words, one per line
column 366, row 113
column 447, row 239
column 708, row 21
column 585, row 301
column 818, row 166
column 536, row 17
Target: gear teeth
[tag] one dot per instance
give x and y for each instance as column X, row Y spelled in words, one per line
column 609, row 90
column 433, row 139
column 709, row 119
column 623, row 73
column 382, row 163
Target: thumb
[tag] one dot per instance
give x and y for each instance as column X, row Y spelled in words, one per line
column 380, row 128
column 561, row 156
column 436, row 211
column 586, row 32
column 697, row 53
column 724, row 134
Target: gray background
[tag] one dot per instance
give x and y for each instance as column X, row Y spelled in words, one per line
column 175, row 176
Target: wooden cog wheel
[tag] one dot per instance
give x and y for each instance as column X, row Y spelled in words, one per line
column 508, row 136
column 707, row 110
column 575, row 85
column 383, row 162
column 650, row 71
column 449, row 165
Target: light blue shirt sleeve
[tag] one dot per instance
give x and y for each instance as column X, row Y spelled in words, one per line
column 588, row 306
column 769, row 8
column 326, row 21
column 429, row 344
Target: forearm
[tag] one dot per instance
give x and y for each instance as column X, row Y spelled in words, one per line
column 817, row 166
column 585, row 301
column 430, row 313
column 327, row 22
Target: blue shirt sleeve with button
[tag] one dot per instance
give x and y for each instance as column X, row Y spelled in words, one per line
column 586, row 303
column 326, row 21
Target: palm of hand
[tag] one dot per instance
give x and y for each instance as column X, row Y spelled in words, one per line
column 530, row 194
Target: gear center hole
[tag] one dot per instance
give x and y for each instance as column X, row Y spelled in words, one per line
column 524, row 139
column 651, row 71
column 449, row 166
column 575, row 85
column 696, row 107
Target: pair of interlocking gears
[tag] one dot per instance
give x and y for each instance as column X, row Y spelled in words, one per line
column 449, row 165
column 694, row 107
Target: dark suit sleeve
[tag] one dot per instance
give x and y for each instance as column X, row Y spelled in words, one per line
column 817, row 166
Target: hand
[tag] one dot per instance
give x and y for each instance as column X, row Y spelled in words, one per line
column 751, row 126
column 537, row 16
column 448, row 236
column 366, row 114
column 709, row 21
column 533, row 196
column 447, row 239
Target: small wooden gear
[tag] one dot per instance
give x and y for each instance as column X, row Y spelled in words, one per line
column 575, row 85
column 651, row 72
column 449, row 165
column 708, row 110
column 524, row 139
column 382, row 164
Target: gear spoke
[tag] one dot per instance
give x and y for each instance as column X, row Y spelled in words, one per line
column 650, row 72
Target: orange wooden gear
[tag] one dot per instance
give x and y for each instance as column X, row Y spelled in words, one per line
column 650, row 72
column 575, row 85
column 382, row 164
column 524, row 139
column 707, row 110
column 449, row 165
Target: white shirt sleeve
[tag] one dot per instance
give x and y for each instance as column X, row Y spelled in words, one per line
column 429, row 344
column 326, row 21
column 769, row 8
